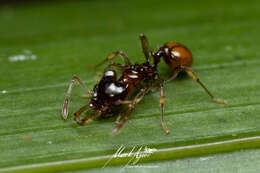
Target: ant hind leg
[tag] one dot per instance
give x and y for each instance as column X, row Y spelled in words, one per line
column 196, row 78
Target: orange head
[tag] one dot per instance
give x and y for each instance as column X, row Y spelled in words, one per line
column 175, row 55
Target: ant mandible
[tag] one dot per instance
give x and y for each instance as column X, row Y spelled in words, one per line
column 112, row 91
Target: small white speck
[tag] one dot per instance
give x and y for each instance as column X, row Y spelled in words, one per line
column 205, row 158
column 228, row 48
column 4, row 92
column 23, row 57
column 49, row 142
column 33, row 57
column 27, row 51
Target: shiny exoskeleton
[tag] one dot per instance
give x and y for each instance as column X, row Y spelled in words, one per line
column 113, row 91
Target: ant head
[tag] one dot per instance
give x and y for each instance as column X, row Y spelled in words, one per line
column 179, row 52
column 175, row 55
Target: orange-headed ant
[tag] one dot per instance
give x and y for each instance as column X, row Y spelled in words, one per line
column 112, row 91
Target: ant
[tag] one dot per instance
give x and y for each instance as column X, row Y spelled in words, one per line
column 113, row 91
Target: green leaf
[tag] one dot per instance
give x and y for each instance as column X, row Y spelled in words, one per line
column 43, row 44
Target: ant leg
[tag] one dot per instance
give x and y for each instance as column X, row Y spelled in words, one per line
column 173, row 76
column 120, row 114
column 112, row 56
column 145, row 46
column 100, row 74
column 85, row 120
column 85, row 96
column 131, row 107
column 118, row 118
column 120, row 67
column 66, row 102
column 79, row 112
column 162, row 96
column 123, row 102
column 119, row 126
column 196, row 78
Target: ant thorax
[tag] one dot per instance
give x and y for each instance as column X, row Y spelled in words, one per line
column 138, row 73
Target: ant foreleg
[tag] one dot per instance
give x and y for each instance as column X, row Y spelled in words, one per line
column 79, row 112
column 112, row 56
column 174, row 75
column 66, row 102
column 85, row 120
column 196, row 78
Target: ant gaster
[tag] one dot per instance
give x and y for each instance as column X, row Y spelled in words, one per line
column 113, row 91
